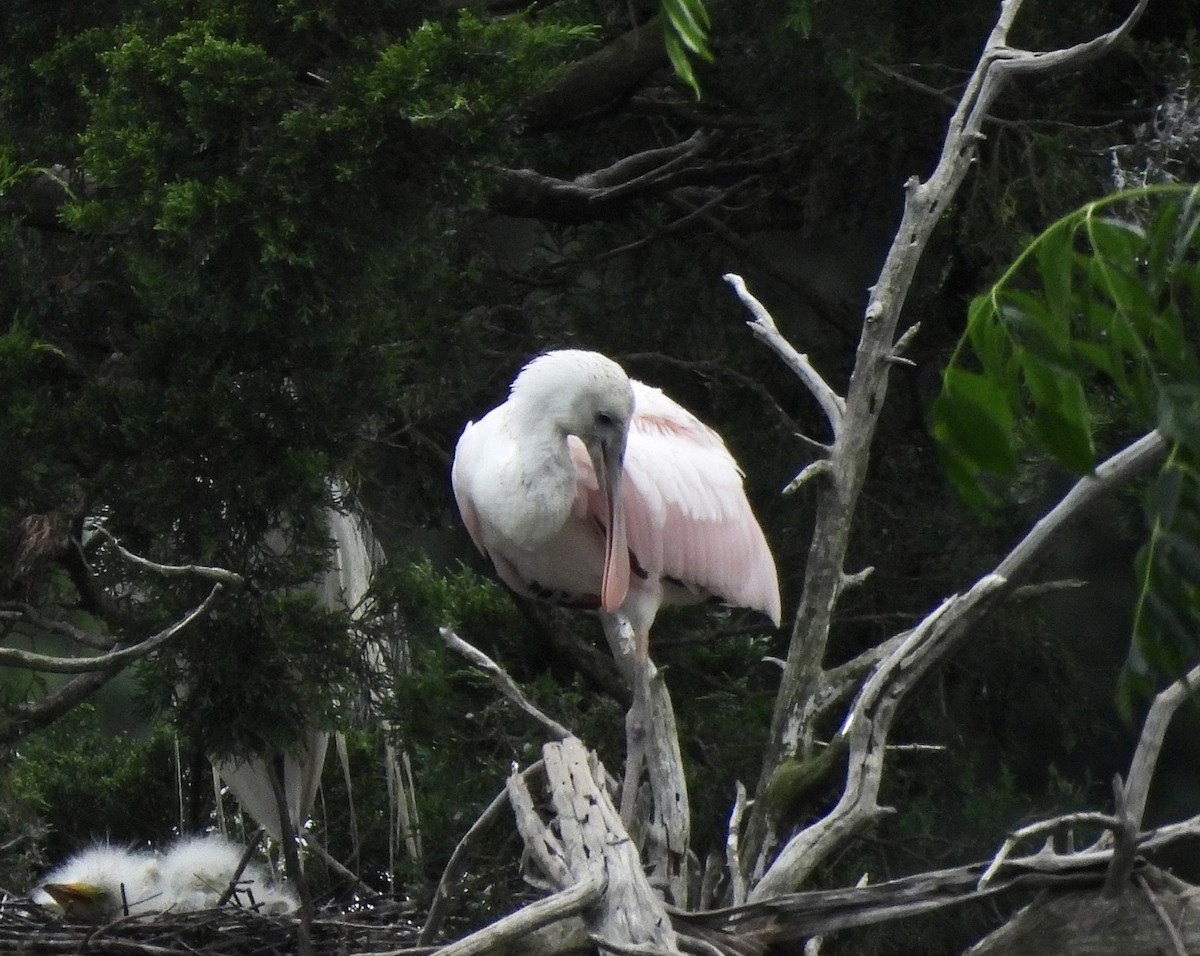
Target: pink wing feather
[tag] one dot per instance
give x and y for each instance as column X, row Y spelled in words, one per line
column 686, row 511
column 687, row 517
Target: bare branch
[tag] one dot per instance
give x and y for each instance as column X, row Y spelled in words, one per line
column 22, row 613
column 1073, row 57
column 597, row 81
column 1104, row 820
column 732, row 841
column 792, row 726
column 33, row 715
column 14, row 657
column 508, row 687
column 221, row 575
column 505, row 933
column 763, row 326
column 1154, row 729
column 812, row 470
column 1164, row 920
column 456, row 865
column 1127, row 464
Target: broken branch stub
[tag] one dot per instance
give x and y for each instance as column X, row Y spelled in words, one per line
column 587, row 842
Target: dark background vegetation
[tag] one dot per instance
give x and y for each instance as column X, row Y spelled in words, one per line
column 301, row 250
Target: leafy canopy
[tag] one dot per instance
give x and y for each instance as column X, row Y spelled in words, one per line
column 1101, row 307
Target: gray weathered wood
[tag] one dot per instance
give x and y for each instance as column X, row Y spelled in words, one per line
column 587, row 841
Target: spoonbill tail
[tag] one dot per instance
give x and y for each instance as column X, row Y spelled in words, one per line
column 588, row 488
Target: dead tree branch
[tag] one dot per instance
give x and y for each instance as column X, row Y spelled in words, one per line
column 28, row 660
column 912, row 654
column 793, row 725
column 220, row 575
column 589, row 844
column 508, row 687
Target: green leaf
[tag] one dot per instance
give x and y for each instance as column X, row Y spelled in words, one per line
column 680, row 62
column 1180, row 555
column 1167, row 617
column 1164, row 497
column 1179, row 413
column 685, row 34
column 965, row 478
column 1126, row 290
column 1056, row 262
column 1036, row 330
column 1188, row 221
column 988, row 337
column 1116, row 240
column 1160, row 255
column 972, row 419
column 1101, row 358
column 1061, row 420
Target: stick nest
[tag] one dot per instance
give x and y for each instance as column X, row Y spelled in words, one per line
column 382, row 924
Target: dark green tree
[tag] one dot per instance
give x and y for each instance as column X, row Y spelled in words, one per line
column 246, row 248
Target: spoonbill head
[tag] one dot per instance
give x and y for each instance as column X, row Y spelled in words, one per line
column 588, row 488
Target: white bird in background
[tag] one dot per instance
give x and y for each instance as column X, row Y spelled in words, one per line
column 104, row 882
column 343, row 586
column 589, row 488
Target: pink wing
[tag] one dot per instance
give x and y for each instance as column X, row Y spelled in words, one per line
column 686, row 512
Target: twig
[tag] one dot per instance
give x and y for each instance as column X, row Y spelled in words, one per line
column 1125, row 834
column 291, row 852
column 1036, row 829
column 1168, row 926
column 814, row 468
column 20, row 612
column 733, row 846
column 455, row 865
column 506, row 684
column 1026, row 61
column 251, row 846
column 335, row 864
column 1154, row 729
column 15, row 657
column 763, row 326
column 223, row 575
column 504, row 933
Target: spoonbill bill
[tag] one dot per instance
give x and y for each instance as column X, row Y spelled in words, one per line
column 591, row 489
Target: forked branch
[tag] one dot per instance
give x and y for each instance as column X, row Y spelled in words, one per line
column 794, row 722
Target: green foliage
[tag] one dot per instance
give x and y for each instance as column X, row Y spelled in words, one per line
column 247, row 283
column 446, row 75
column 1100, row 304
column 686, row 26
column 89, row 785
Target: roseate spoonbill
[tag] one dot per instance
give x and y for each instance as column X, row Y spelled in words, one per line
column 588, row 488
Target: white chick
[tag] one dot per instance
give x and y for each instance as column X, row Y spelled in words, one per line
column 196, row 872
column 103, row 883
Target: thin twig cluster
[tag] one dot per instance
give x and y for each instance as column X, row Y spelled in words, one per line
column 371, row 927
